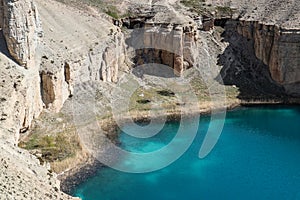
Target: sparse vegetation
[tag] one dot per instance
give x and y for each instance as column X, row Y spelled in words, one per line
column 143, row 101
column 200, row 89
column 53, row 139
column 107, row 7
column 224, row 10
column 112, row 11
column 192, row 3
column 200, row 7
column 196, row 6
column 52, row 147
column 166, row 93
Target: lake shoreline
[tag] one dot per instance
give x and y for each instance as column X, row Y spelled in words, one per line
column 71, row 178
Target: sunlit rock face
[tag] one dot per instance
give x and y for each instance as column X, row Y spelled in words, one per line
column 22, row 30
column 169, row 45
column 113, row 57
column 165, row 37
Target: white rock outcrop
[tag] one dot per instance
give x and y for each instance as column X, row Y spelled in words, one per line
column 22, row 30
column 21, row 83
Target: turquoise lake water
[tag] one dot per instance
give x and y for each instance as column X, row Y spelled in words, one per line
column 256, row 157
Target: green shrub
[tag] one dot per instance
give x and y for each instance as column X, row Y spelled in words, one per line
column 53, row 147
column 113, row 12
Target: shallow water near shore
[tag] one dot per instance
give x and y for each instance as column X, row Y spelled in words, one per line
column 256, row 157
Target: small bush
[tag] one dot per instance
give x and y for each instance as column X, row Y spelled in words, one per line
column 143, row 101
column 113, row 12
column 166, row 93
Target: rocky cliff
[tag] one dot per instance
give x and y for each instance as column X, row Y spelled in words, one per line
column 274, row 27
column 53, row 64
column 90, row 48
column 278, row 48
column 22, row 30
column 20, row 81
column 40, row 64
column 168, row 44
column 22, row 176
column 162, row 36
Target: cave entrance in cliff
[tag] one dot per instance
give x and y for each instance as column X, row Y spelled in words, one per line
column 221, row 22
column 159, row 62
column 153, row 46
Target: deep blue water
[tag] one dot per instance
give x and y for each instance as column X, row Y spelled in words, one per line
column 256, row 157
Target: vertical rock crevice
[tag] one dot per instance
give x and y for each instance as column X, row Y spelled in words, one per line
column 278, row 48
column 55, row 84
column 67, row 72
column 47, row 88
column 113, row 58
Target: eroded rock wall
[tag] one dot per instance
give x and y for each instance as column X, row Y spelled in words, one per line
column 22, row 30
column 278, row 48
column 275, row 30
column 113, row 58
column 100, row 63
column 167, row 44
column 22, row 176
column 20, row 81
column 76, row 48
column 162, row 35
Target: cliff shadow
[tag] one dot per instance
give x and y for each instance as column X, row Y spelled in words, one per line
column 240, row 67
column 3, row 46
column 153, row 69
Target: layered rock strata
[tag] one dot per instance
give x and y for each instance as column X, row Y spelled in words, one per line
column 165, row 37
column 274, row 27
column 169, row 45
column 278, row 48
column 22, row 30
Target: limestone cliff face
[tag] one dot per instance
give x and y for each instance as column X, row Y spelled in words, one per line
column 22, row 29
column 20, row 103
column 76, row 48
column 49, row 71
column 20, row 96
column 169, row 45
column 21, row 87
column 277, row 47
column 59, row 74
column 163, row 36
column 113, row 58
column 275, row 30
